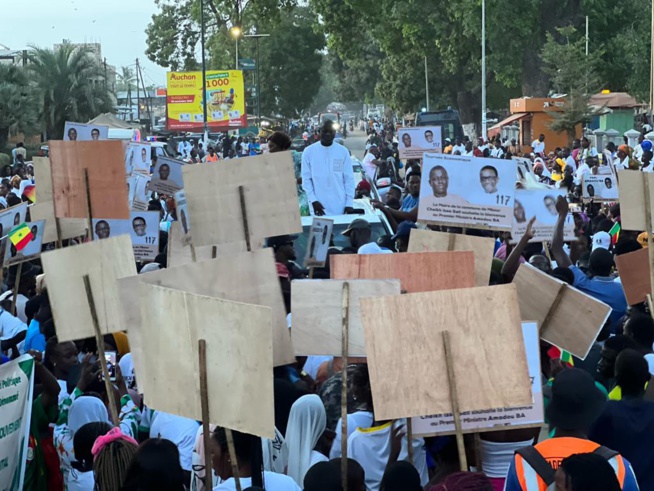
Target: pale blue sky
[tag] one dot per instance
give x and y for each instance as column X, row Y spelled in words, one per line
column 119, row 25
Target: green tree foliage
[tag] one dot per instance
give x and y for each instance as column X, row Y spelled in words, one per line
column 67, row 86
column 18, row 110
column 579, row 80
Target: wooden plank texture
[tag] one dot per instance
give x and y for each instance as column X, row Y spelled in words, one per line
column 576, row 320
column 632, row 198
column 417, row 271
column 104, row 261
column 634, row 275
column 42, row 179
column 317, row 312
column 239, row 358
column 214, row 205
column 482, row 248
column 70, row 227
column 105, row 162
column 244, row 277
column 406, row 357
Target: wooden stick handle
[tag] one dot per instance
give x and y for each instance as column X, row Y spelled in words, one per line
column 409, row 438
column 204, row 402
column 454, row 397
column 233, row 459
column 244, row 215
column 19, row 273
column 553, row 308
column 345, row 353
column 113, row 411
column 88, row 204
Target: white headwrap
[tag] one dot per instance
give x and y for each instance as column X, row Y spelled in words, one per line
column 306, row 424
column 86, row 409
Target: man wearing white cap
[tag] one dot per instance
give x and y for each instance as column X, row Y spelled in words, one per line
column 601, row 240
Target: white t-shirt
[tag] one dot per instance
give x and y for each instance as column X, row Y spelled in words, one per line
column 638, row 152
column 368, row 166
column 80, row 481
column 459, row 148
column 181, row 431
column 649, row 358
column 313, row 363
column 497, row 152
column 271, row 480
column 538, row 146
column 581, row 171
column 10, row 326
column 358, row 419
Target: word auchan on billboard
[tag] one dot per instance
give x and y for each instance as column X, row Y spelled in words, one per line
column 225, row 96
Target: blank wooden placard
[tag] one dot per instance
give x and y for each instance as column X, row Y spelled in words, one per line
column 214, row 205
column 632, row 198
column 417, row 271
column 248, row 277
column 70, row 227
column 575, row 322
column 104, row 261
column 239, row 358
column 318, row 311
column 634, row 275
column 483, row 248
column 105, row 162
column 42, row 179
column 406, row 359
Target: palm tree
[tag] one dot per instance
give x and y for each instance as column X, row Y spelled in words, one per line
column 69, row 88
column 127, row 80
column 18, row 109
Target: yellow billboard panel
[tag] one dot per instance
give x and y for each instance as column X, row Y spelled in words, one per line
column 225, row 97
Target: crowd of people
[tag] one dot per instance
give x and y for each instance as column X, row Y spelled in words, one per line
column 599, row 410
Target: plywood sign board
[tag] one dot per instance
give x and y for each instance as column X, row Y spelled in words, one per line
column 405, row 350
column 214, row 205
column 69, row 227
column 574, row 323
column 239, row 358
column 318, row 311
column 42, row 179
column 483, row 248
column 105, row 163
column 631, row 184
column 104, row 261
column 249, row 277
column 634, row 275
column 417, row 271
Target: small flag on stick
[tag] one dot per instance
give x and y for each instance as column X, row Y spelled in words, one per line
column 615, row 233
column 20, row 236
column 30, row 193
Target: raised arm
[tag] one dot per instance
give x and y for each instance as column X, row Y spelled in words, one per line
column 561, row 258
column 512, row 262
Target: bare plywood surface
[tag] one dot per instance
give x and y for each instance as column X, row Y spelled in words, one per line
column 482, row 248
column 406, row 358
column 634, row 275
column 575, row 322
column 417, row 271
column 632, row 198
column 214, row 204
column 318, row 310
column 239, row 358
column 42, row 179
column 105, row 162
column 244, row 277
column 70, row 227
column 104, row 261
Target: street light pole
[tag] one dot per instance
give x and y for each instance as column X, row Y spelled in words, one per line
column 257, row 36
column 426, row 83
column 483, row 69
column 204, row 77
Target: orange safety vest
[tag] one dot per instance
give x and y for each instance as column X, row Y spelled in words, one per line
column 212, row 159
column 554, row 451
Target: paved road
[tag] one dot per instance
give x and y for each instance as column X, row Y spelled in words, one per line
column 356, row 142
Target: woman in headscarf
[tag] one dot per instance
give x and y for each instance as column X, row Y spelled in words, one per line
column 306, row 424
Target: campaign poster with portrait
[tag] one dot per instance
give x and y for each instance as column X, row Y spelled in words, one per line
column 467, row 191
column 320, row 235
column 167, row 176
column 539, row 203
column 600, row 187
column 415, row 141
column 138, row 158
column 182, row 216
column 11, row 218
column 139, row 192
column 31, row 251
column 142, row 227
column 525, row 168
column 85, row 132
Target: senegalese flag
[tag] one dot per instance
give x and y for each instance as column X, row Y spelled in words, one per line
column 20, row 236
column 30, row 193
column 615, row 233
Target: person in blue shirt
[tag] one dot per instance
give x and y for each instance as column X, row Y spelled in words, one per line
column 599, row 284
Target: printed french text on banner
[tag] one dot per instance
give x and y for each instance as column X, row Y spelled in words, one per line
column 467, row 191
column 414, row 142
column 142, row 227
column 600, row 187
column 225, row 97
column 16, row 382
column 539, row 203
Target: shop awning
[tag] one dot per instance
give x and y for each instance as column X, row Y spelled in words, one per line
column 495, row 129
